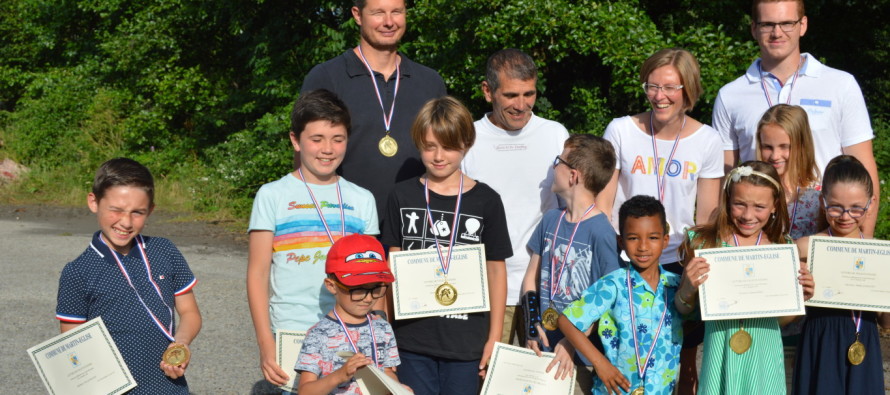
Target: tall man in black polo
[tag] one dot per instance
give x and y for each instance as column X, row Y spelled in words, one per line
column 380, row 150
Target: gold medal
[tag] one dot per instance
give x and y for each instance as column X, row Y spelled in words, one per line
column 388, row 146
column 176, row 355
column 856, row 352
column 446, row 294
column 638, row 391
column 740, row 341
column 549, row 319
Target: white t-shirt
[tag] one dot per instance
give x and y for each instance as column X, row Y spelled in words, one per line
column 518, row 166
column 831, row 98
column 698, row 155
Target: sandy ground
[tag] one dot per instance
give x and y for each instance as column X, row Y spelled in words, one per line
column 36, row 242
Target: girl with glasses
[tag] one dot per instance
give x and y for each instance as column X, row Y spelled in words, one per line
column 822, row 365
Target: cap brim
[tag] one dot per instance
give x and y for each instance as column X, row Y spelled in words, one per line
column 353, row 279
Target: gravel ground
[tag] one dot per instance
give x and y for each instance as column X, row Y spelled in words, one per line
column 36, row 242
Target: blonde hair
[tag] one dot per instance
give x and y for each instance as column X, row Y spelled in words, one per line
column 449, row 121
column 755, row 173
column 687, row 66
column 802, row 171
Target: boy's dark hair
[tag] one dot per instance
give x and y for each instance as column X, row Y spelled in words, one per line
column 123, row 172
column 319, row 105
column 642, row 206
column 594, row 157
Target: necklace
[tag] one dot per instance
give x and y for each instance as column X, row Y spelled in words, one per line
column 741, row 340
column 387, row 145
column 660, row 180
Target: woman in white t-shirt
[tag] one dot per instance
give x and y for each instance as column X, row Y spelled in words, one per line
column 685, row 177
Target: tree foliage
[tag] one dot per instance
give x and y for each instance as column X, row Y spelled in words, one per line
column 209, row 83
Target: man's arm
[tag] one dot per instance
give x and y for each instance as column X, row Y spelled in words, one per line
column 863, row 152
column 730, row 160
column 259, row 266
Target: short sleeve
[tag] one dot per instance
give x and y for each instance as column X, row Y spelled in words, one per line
column 392, row 223
column 723, row 123
column 310, row 357
column 391, row 350
column 712, row 162
column 72, row 301
column 856, row 125
column 183, row 278
column 262, row 215
column 612, row 135
column 496, row 237
column 605, row 249
column 536, row 242
column 593, row 303
column 372, row 221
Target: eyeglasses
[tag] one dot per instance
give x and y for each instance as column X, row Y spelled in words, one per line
column 769, row 27
column 559, row 160
column 652, row 89
column 838, row 211
column 359, row 294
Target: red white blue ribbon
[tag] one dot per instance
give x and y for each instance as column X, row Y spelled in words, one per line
column 387, row 119
column 327, row 228
column 643, row 366
column 140, row 244
column 857, row 320
column 736, row 239
column 769, row 100
column 565, row 257
column 660, row 183
column 444, row 262
column 352, row 343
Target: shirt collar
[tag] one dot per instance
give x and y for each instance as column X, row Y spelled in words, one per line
column 810, row 68
column 638, row 280
column 354, row 66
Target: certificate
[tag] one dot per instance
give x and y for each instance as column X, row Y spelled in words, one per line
column 420, row 289
column 287, row 350
column 373, row 381
column 750, row 282
column 515, row 370
column 83, row 360
column 850, row 273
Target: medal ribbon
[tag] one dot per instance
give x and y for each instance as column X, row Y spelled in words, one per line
column 794, row 210
column 352, row 343
column 769, row 100
column 856, row 320
column 642, row 367
column 736, row 239
column 553, row 257
column 140, row 244
column 660, row 180
column 387, row 119
column 445, row 263
column 327, row 228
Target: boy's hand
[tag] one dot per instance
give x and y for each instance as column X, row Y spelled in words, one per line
column 175, row 372
column 564, row 352
column 273, row 373
column 352, row 364
column 807, row 282
column 486, row 354
column 611, row 377
column 533, row 343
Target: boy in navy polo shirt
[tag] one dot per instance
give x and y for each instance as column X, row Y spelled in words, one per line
column 132, row 281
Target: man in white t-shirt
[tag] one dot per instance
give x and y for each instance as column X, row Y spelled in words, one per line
column 513, row 154
column 831, row 97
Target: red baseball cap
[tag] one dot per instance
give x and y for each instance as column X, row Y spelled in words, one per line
column 358, row 259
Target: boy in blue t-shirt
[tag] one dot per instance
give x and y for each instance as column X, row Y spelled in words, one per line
column 571, row 248
column 133, row 282
column 294, row 222
column 639, row 325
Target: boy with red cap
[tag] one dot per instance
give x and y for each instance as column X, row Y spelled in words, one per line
column 358, row 275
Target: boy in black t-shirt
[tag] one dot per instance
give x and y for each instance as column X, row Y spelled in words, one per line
column 443, row 355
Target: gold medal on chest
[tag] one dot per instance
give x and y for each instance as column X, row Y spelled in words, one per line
column 176, row 355
column 446, row 294
column 638, row 391
column 549, row 319
column 388, row 146
column 856, row 352
column 740, row 341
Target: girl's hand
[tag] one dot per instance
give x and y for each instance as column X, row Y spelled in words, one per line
column 611, row 377
column 694, row 274
column 564, row 352
column 807, row 282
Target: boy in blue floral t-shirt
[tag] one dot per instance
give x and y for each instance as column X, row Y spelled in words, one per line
column 641, row 338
